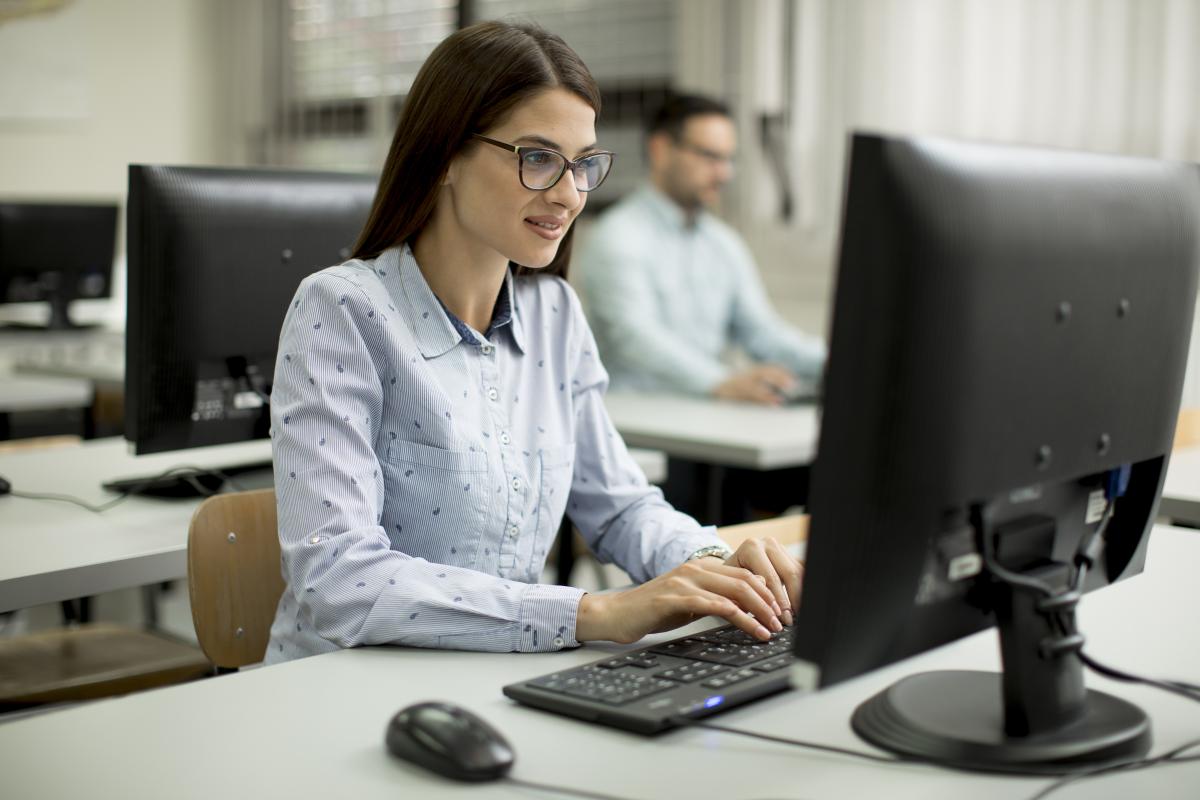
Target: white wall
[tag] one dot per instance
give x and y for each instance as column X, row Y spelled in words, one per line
column 150, row 90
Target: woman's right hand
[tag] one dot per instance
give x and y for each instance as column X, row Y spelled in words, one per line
column 690, row 591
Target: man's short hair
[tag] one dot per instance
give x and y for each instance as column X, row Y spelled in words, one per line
column 678, row 108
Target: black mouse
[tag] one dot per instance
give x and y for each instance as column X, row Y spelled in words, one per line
column 449, row 740
column 5, row 486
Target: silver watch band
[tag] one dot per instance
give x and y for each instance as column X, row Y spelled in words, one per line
column 718, row 550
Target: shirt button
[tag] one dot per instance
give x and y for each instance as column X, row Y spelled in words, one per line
column 315, row 540
column 558, row 641
column 487, row 349
column 505, row 438
column 513, row 530
column 493, row 394
column 516, row 484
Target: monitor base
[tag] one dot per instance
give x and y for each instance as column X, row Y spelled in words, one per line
column 956, row 718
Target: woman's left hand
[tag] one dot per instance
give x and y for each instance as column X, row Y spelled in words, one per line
column 772, row 564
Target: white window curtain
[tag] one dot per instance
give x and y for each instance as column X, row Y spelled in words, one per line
column 1119, row 76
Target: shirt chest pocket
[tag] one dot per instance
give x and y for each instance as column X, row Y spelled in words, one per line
column 556, row 467
column 435, row 502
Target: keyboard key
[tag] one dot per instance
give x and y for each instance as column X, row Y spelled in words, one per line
column 682, row 648
column 730, row 678
column 772, row 664
column 640, row 660
column 690, row 673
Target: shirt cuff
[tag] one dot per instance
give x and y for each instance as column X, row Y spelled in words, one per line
column 547, row 620
column 682, row 545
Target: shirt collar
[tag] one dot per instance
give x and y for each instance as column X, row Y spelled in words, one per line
column 434, row 327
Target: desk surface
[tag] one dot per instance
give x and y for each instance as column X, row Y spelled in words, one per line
column 717, row 432
column 41, row 392
column 51, row 550
column 314, row 727
column 1181, row 490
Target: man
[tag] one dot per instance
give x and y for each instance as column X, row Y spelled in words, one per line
column 669, row 287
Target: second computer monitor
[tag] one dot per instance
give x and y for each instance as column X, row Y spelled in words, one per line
column 214, row 257
column 56, row 253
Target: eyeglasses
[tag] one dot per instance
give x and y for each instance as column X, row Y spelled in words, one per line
column 539, row 168
column 711, row 156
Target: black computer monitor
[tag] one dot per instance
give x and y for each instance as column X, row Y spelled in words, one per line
column 214, row 257
column 56, row 253
column 1007, row 355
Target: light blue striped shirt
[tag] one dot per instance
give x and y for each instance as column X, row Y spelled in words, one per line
column 422, row 469
column 667, row 298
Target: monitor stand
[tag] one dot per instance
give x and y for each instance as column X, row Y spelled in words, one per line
column 1035, row 716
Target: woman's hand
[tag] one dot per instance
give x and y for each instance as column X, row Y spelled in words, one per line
column 780, row 570
column 746, row 590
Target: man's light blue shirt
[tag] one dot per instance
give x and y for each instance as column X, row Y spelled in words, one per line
column 666, row 298
column 422, row 468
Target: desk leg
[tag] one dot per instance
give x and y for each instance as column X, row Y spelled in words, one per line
column 77, row 611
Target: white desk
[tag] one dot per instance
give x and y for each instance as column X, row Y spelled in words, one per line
column 314, row 727
column 1181, row 490
column 716, row 432
column 51, row 550
column 42, row 392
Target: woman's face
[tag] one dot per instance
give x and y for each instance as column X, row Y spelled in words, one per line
column 489, row 203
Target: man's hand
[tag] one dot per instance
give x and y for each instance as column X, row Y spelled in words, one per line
column 766, row 384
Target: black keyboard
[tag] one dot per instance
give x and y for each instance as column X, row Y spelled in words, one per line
column 645, row 690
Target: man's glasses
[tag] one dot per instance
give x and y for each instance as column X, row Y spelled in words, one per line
column 540, row 168
column 711, row 156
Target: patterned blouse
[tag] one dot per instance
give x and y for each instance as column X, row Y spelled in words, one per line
column 422, row 468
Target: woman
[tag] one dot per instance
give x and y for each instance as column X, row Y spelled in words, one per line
column 436, row 408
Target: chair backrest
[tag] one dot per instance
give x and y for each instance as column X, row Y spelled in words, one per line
column 1187, row 431
column 234, row 577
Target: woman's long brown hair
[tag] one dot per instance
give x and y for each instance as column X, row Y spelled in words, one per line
column 469, row 83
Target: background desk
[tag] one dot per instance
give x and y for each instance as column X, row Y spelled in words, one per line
column 726, row 459
column 24, row 393
column 1181, row 490
column 717, row 432
column 50, row 550
column 314, row 727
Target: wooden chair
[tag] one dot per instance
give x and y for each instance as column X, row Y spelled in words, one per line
column 234, row 578
column 1187, row 431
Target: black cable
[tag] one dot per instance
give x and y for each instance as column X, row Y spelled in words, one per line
column 829, row 748
column 190, row 474
column 1170, row 757
column 1175, row 687
column 548, row 787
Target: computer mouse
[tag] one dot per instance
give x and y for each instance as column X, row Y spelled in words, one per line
column 449, row 740
column 5, row 486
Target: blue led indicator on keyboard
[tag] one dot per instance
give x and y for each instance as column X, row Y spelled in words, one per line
column 715, row 700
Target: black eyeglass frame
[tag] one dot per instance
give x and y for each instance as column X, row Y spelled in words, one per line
column 568, row 164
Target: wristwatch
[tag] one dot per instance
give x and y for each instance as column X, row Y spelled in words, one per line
column 720, row 551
